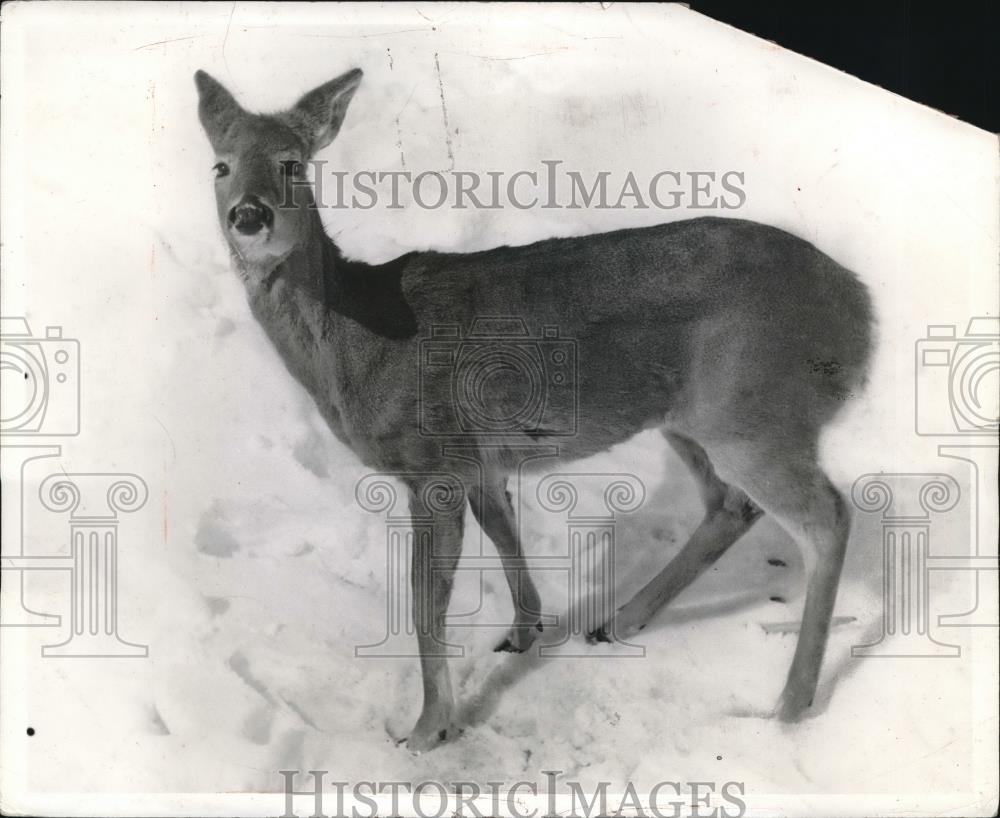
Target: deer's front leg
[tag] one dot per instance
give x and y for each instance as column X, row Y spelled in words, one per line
column 492, row 507
column 432, row 576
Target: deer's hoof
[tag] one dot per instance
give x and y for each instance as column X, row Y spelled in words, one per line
column 618, row 628
column 421, row 741
column 519, row 638
column 792, row 708
column 788, row 714
column 432, row 729
column 598, row 635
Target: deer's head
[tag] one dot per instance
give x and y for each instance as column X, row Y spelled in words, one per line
column 260, row 184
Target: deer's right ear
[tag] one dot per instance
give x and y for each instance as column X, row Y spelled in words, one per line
column 217, row 109
column 317, row 117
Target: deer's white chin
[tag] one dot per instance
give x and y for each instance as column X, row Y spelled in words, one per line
column 261, row 249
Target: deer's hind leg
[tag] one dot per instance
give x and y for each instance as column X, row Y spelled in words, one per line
column 493, row 510
column 729, row 513
column 787, row 482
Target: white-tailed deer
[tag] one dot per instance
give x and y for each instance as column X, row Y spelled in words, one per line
column 738, row 340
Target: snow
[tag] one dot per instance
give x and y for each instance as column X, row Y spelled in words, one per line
column 253, row 574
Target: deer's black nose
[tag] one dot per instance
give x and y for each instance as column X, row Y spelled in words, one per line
column 250, row 216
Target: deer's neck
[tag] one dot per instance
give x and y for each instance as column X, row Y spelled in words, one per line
column 317, row 277
column 300, row 277
column 329, row 317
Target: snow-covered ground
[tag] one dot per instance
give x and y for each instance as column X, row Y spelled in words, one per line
column 252, row 573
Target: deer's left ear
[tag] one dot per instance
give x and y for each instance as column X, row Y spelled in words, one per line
column 317, row 117
column 217, row 109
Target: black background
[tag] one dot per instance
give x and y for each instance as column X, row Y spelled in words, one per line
column 941, row 54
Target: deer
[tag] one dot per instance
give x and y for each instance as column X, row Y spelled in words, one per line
column 739, row 341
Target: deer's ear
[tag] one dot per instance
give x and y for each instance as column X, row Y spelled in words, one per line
column 317, row 117
column 217, row 109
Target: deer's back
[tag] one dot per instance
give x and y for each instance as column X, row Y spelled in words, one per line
column 717, row 325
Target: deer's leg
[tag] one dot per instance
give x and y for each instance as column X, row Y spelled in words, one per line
column 787, row 482
column 816, row 516
column 729, row 513
column 493, row 510
column 432, row 578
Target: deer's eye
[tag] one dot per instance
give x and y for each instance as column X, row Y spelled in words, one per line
column 221, row 169
column 293, row 167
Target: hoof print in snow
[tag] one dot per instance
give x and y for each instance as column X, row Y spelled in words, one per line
column 213, row 537
column 217, row 605
column 157, row 725
column 777, row 563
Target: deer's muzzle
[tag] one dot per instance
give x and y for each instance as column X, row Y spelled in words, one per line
column 250, row 216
